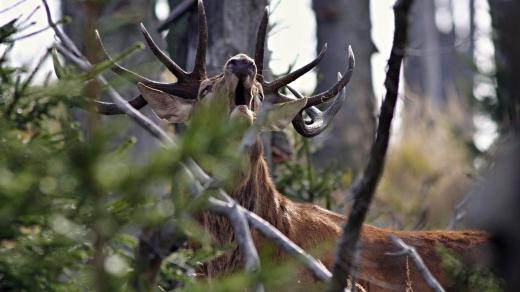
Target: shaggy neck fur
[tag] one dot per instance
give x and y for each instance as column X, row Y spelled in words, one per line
column 256, row 193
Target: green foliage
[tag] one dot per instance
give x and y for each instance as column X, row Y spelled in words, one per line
column 475, row 278
column 72, row 201
column 300, row 180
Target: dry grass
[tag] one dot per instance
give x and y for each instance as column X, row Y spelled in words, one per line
column 427, row 169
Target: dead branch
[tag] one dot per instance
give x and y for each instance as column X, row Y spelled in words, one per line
column 458, row 212
column 236, row 216
column 419, row 263
column 313, row 265
column 12, row 6
column 364, row 187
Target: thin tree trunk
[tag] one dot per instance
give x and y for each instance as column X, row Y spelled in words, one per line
column 340, row 23
column 471, row 36
column 423, row 68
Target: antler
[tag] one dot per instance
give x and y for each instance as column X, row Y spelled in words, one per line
column 334, row 90
column 320, row 120
column 187, row 85
column 271, row 89
column 260, row 44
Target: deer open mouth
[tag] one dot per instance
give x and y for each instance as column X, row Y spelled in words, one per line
column 241, row 96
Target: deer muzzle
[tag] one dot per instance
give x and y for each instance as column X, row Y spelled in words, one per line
column 241, row 68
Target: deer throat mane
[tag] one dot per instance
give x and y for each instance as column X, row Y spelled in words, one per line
column 255, row 192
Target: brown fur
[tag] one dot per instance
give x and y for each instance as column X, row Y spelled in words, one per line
column 311, row 227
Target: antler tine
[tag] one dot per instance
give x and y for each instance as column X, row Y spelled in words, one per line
column 169, row 63
column 335, row 89
column 101, row 107
column 199, row 69
column 284, row 80
column 319, row 120
column 127, row 74
column 260, row 43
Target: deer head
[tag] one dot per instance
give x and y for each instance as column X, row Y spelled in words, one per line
column 241, row 82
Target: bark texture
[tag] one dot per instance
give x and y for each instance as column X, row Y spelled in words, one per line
column 232, row 28
column 340, row 23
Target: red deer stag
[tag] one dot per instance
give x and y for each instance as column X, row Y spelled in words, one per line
column 309, row 226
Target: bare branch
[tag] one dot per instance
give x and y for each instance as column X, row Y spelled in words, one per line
column 12, row 6
column 313, row 265
column 458, row 212
column 62, row 36
column 233, row 211
column 419, row 263
column 364, row 188
column 30, row 15
column 119, row 101
column 30, row 34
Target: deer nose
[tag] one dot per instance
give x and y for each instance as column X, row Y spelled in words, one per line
column 241, row 68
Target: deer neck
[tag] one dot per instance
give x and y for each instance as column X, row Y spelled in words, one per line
column 256, row 191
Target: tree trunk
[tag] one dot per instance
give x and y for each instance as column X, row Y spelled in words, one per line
column 118, row 24
column 439, row 64
column 423, row 66
column 232, row 28
column 506, row 25
column 341, row 23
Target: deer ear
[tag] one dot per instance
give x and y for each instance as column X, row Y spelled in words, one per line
column 281, row 114
column 166, row 106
